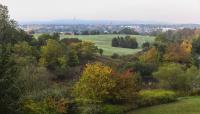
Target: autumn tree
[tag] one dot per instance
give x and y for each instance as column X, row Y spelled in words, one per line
column 151, row 56
column 95, row 83
column 176, row 53
column 128, row 84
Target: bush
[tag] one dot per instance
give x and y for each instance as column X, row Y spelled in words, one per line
column 155, row 97
column 115, row 56
column 49, row 105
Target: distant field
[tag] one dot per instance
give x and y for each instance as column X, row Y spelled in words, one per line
column 104, row 42
column 186, row 105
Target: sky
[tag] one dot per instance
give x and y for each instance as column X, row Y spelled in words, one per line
column 171, row 11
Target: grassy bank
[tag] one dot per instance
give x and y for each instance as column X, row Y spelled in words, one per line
column 186, row 105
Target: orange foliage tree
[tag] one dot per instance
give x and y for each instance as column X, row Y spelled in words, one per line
column 178, row 53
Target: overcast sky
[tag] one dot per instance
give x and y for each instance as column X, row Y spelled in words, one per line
column 173, row 11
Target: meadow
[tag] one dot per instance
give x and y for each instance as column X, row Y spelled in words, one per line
column 185, row 105
column 104, row 42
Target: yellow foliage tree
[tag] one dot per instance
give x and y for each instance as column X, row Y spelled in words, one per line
column 177, row 53
column 151, row 56
column 187, row 46
column 95, row 83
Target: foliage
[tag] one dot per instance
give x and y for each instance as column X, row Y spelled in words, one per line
column 193, row 79
column 186, row 45
column 127, row 86
column 128, row 31
column 24, row 53
column 101, row 52
column 85, row 50
column 42, row 39
column 196, row 46
column 73, row 58
column 145, row 69
column 115, row 56
column 146, row 46
column 175, row 53
column 155, row 97
column 49, row 105
column 69, row 41
column 151, row 56
column 126, row 42
column 172, row 76
column 33, row 79
column 95, row 83
column 53, row 56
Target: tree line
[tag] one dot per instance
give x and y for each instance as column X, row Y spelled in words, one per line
column 125, row 42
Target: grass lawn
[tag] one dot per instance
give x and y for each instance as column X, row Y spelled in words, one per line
column 186, row 105
column 104, row 42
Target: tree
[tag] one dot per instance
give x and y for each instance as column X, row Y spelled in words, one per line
column 54, row 57
column 126, row 42
column 42, row 39
column 151, row 56
column 101, row 52
column 85, row 50
column 172, row 76
column 24, row 54
column 128, row 31
column 115, row 42
column 196, row 46
column 95, row 83
column 73, row 58
column 193, row 78
column 9, row 35
column 146, row 46
column 128, row 84
column 56, row 36
column 175, row 53
column 8, row 74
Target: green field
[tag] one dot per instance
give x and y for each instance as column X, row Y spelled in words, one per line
column 186, row 105
column 104, row 42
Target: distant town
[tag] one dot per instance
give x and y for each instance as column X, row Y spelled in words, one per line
column 95, row 29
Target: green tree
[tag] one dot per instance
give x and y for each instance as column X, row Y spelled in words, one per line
column 24, row 54
column 54, row 57
column 101, row 52
column 73, row 58
column 172, row 76
column 9, row 35
column 85, row 50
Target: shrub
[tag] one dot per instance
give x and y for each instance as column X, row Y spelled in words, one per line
column 154, row 97
column 49, row 105
column 115, row 56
